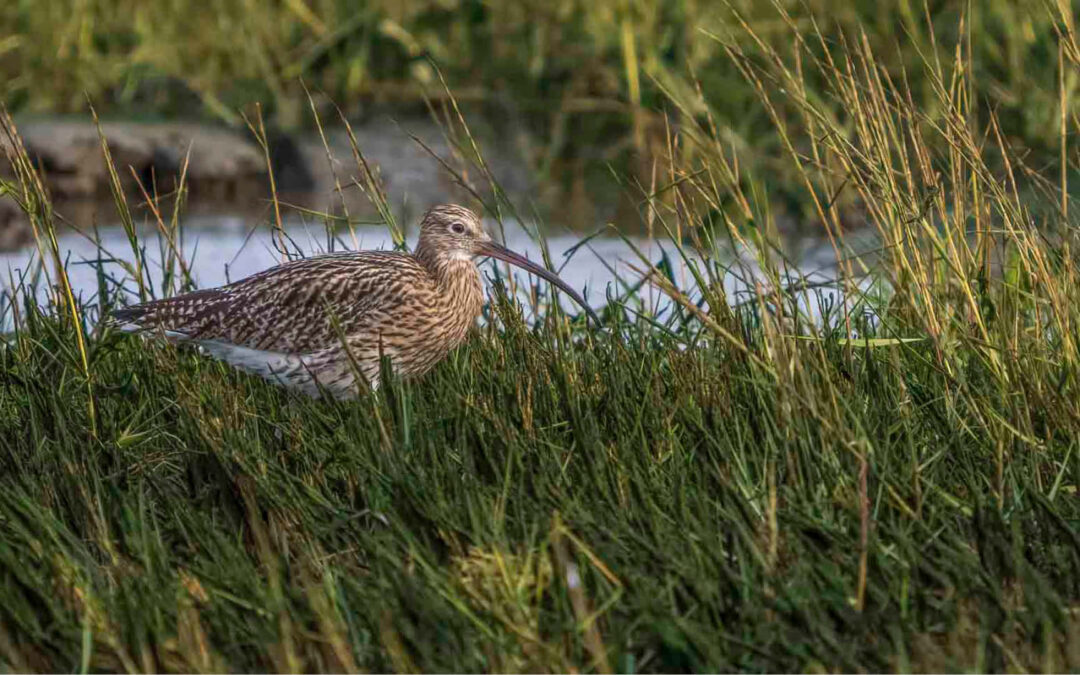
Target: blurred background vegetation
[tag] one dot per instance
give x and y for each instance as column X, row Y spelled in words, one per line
column 581, row 84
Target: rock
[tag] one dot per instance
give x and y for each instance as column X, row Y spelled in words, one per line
column 223, row 164
column 228, row 169
column 412, row 178
column 15, row 231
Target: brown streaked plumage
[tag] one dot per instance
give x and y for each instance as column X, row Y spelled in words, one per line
column 318, row 321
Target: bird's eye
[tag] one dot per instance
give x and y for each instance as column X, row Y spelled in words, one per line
column 457, row 228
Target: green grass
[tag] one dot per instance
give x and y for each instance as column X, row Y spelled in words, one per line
column 715, row 489
column 714, row 516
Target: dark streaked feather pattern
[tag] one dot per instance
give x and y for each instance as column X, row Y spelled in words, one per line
column 292, row 307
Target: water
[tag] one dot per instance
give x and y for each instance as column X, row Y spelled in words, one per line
column 227, row 248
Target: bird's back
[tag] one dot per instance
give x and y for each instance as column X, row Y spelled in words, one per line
column 302, row 306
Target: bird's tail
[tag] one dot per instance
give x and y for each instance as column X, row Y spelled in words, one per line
column 182, row 313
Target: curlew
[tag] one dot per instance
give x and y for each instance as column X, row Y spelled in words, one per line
column 322, row 324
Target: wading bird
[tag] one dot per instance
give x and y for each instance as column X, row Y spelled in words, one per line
column 323, row 323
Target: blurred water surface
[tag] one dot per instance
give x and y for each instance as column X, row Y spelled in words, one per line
column 225, row 248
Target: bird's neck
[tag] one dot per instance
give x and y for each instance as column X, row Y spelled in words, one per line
column 455, row 275
column 442, row 266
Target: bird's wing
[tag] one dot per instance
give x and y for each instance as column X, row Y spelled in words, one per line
column 299, row 307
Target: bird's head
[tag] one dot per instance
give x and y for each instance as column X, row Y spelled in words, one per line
column 454, row 233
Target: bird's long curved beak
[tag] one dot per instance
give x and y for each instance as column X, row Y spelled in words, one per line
column 494, row 250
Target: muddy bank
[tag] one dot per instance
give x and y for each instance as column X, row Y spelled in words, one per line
column 227, row 169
